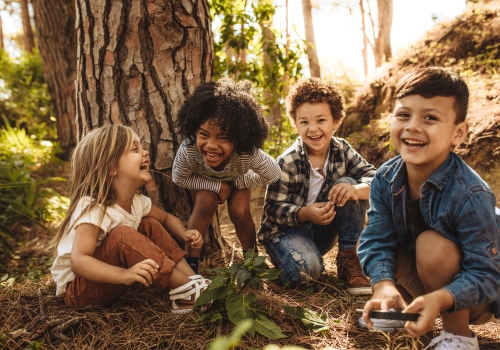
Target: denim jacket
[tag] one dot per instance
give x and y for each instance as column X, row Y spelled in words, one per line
column 456, row 203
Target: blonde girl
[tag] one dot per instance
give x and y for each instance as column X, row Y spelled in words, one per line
column 112, row 236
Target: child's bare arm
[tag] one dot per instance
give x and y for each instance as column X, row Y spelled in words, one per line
column 175, row 227
column 85, row 265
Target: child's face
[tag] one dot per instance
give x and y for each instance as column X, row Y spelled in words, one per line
column 315, row 125
column 133, row 167
column 213, row 145
column 423, row 130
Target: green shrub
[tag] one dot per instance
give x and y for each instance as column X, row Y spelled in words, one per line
column 21, row 196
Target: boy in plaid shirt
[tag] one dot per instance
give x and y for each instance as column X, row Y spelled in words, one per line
column 321, row 195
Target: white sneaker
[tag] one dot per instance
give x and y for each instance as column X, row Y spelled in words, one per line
column 451, row 341
column 382, row 324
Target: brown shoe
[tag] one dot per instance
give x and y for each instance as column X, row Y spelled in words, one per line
column 349, row 270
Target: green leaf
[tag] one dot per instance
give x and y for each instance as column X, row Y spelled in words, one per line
column 255, row 282
column 218, row 281
column 211, row 294
column 233, row 269
column 239, row 306
column 234, row 339
column 268, row 328
column 271, row 274
column 242, row 276
column 309, row 318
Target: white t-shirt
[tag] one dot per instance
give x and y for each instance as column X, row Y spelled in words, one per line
column 316, row 179
column 115, row 216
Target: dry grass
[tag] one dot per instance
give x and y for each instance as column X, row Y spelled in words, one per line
column 142, row 319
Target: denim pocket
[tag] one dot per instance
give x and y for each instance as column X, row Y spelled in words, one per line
column 492, row 250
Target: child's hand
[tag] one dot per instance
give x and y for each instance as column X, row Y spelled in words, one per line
column 224, row 192
column 193, row 237
column 428, row 307
column 321, row 213
column 341, row 193
column 143, row 272
column 385, row 296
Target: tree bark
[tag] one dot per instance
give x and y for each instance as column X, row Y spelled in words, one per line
column 1, row 34
column 29, row 41
column 312, row 53
column 137, row 61
column 56, row 34
column 364, row 51
column 271, row 97
column 383, row 48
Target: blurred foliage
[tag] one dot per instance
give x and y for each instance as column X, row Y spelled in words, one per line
column 24, row 98
column 247, row 46
column 21, row 195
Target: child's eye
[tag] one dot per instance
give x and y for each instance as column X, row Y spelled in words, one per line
column 430, row 117
column 403, row 115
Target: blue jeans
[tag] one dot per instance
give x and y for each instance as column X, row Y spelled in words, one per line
column 300, row 249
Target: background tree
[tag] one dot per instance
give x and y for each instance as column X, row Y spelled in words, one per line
column 1, row 34
column 382, row 50
column 56, row 34
column 137, row 61
column 261, row 54
column 312, row 54
column 29, row 39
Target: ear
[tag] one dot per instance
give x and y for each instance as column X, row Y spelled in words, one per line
column 461, row 132
column 112, row 172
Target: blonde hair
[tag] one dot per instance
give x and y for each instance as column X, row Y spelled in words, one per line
column 92, row 162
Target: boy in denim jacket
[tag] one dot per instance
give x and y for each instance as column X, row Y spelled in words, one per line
column 432, row 240
column 322, row 192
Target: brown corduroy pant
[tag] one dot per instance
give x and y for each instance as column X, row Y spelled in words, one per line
column 125, row 247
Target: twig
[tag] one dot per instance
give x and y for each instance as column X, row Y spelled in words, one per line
column 232, row 256
column 58, row 331
column 40, row 302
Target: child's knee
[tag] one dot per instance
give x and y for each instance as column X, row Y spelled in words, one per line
column 239, row 213
column 300, row 267
column 206, row 201
column 433, row 249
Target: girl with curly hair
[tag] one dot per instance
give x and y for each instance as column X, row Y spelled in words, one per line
column 220, row 158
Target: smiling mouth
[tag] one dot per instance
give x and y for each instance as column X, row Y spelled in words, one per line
column 212, row 156
column 414, row 143
column 144, row 166
column 315, row 138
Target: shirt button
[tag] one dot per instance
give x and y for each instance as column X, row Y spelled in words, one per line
column 494, row 250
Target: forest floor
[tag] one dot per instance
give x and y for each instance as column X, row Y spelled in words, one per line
column 31, row 317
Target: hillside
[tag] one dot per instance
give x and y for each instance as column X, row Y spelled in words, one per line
column 468, row 45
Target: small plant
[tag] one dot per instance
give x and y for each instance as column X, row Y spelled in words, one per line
column 229, row 295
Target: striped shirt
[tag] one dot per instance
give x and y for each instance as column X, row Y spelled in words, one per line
column 286, row 196
column 258, row 169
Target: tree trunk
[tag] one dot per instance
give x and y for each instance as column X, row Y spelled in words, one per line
column 271, row 97
column 138, row 60
column 1, row 34
column 29, row 41
column 312, row 53
column 365, row 38
column 56, row 34
column 383, row 48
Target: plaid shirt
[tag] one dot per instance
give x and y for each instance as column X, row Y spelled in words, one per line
column 286, row 196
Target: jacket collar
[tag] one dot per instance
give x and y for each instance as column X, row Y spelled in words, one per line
column 396, row 174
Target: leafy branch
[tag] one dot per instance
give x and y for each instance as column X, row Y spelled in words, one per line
column 229, row 295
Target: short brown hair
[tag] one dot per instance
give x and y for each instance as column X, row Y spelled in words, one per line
column 430, row 82
column 315, row 90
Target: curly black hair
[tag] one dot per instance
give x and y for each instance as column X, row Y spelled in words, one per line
column 315, row 90
column 231, row 107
